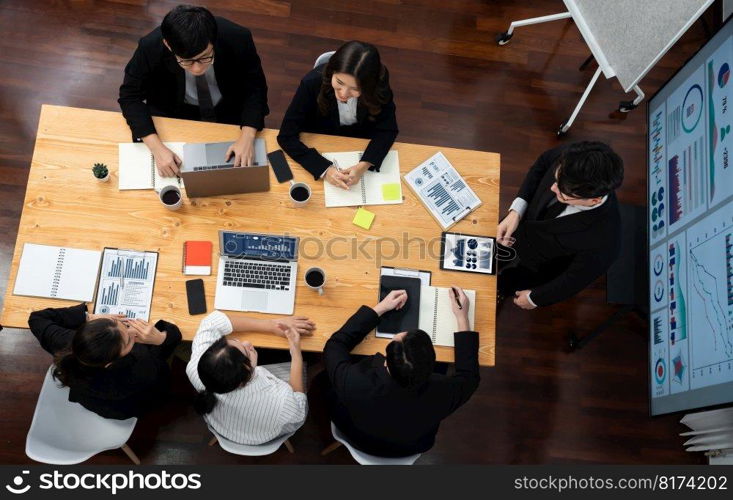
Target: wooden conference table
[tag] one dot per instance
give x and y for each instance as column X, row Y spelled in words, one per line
column 64, row 205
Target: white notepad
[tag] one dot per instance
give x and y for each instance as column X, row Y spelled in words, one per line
column 436, row 313
column 138, row 169
column 371, row 188
column 57, row 272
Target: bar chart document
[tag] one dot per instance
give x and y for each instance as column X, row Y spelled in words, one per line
column 126, row 283
column 442, row 190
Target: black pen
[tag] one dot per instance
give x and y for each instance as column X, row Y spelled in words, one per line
column 455, row 294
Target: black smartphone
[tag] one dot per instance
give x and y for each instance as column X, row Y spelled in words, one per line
column 196, row 297
column 280, row 166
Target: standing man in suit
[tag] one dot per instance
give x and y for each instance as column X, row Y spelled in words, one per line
column 198, row 67
column 564, row 226
column 392, row 406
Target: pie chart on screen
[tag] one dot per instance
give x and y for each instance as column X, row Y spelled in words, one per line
column 723, row 75
column 660, row 371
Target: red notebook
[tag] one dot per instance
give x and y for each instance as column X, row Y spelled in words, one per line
column 197, row 258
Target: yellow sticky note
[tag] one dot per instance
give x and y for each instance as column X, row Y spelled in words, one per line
column 391, row 192
column 363, row 218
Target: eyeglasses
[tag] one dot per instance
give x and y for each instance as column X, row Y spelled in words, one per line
column 187, row 63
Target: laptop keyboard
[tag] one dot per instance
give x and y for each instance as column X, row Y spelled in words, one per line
column 257, row 275
column 212, row 167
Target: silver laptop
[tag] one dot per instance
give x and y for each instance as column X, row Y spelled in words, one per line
column 206, row 172
column 257, row 272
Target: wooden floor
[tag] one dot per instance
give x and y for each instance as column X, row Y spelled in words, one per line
column 454, row 87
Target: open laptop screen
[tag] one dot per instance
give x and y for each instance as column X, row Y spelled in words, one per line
column 258, row 246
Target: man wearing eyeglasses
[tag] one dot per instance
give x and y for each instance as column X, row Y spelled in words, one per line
column 198, row 67
column 564, row 227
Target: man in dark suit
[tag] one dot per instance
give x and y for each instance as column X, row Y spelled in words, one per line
column 392, row 406
column 564, row 226
column 196, row 67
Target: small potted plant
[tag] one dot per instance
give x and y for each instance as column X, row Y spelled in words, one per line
column 101, row 172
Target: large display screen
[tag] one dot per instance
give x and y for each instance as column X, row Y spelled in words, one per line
column 691, row 232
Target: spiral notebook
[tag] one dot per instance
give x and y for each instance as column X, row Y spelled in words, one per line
column 374, row 188
column 436, row 313
column 57, row 272
column 138, row 169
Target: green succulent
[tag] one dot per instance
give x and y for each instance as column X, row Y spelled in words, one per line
column 100, row 170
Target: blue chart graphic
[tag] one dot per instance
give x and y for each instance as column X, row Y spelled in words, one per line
column 660, row 371
column 678, row 368
column 692, row 108
column 657, row 176
column 129, row 268
column 707, row 286
column 443, row 200
column 110, row 294
column 729, row 266
column 677, row 303
column 129, row 313
column 657, row 326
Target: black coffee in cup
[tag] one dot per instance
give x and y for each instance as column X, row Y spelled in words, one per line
column 314, row 278
column 171, row 197
column 299, row 193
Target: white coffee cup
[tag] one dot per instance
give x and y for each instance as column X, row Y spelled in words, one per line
column 315, row 278
column 172, row 201
column 300, row 193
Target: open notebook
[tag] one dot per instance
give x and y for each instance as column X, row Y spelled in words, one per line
column 138, row 169
column 436, row 313
column 374, row 188
column 57, row 272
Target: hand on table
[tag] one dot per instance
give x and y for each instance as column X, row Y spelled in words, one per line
column 301, row 324
column 167, row 161
column 506, row 228
column 243, row 150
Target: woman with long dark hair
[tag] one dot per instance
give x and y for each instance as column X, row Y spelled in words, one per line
column 240, row 400
column 348, row 96
column 113, row 366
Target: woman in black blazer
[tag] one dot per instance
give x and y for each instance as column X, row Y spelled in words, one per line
column 348, row 96
column 113, row 366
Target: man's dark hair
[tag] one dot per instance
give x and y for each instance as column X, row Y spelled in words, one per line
column 589, row 170
column 188, row 30
column 411, row 361
column 222, row 368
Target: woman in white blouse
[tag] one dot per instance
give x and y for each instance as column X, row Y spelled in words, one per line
column 244, row 402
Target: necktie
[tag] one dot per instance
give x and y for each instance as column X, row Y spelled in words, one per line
column 552, row 210
column 206, row 105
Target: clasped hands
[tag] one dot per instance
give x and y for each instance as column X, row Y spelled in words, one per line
column 346, row 177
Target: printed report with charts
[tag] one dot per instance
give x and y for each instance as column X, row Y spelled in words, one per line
column 442, row 190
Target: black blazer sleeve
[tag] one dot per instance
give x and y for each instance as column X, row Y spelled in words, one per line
column 254, row 85
column 134, row 91
column 303, row 105
column 547, row 160
column 337, row 351
column 466, row 378
column 582, row 271
column 55, row 328
column 384, row 135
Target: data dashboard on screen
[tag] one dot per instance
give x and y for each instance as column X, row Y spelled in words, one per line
column 691, row 232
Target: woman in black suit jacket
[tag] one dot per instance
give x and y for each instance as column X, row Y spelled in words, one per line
column 113, row 366
column 348, row 96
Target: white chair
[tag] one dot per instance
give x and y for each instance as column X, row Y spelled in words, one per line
column 364, row 458
column 252, row 450
column 323, row 58
column 65, row 433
